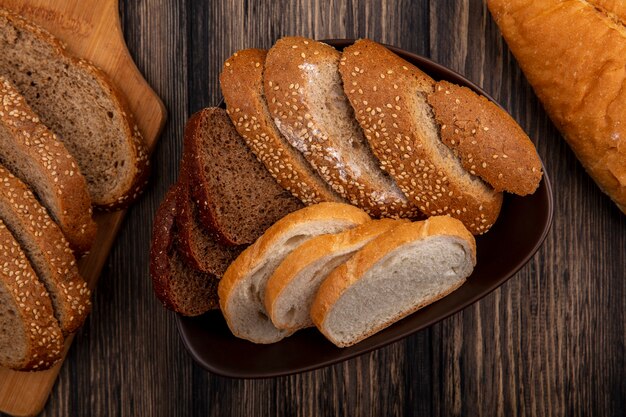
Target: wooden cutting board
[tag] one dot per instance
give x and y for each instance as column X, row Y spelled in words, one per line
column 92, row 30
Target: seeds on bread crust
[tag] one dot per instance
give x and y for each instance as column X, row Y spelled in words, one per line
column 34, row 153
column 388, row 95
column 242, row 86
column 488, row 141
column 47, row 250
column 29, row 324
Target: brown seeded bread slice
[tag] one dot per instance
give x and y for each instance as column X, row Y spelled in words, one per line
column 394, row 275
column 33, row 153
column 47, row 250
column 77, row 102
column 488, row 141
column 236, row 196
column 388, row 95
column 305, row 97
column 179, row 287
column 30, row 337
column 242, row 86
column 199, row 248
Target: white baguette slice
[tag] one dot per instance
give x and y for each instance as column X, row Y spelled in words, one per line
column 242, row 289
column 394, row 275
column 292, row 287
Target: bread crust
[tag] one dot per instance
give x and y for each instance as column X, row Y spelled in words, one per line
column 380, row 86
column 489, row 143
column 285, row 86
column 45, row 339
column 242, row 86
column 138, row 176
column 312, row 251
column 353, row 270
column 252, row 256
column 72, row 294
column 574, row 56
column 39, row 146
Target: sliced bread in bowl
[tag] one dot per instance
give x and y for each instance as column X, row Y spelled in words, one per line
column 293, row 285
column 399, row 272
column 242, row 289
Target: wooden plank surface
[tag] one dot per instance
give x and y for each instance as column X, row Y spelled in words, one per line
column 550, row 342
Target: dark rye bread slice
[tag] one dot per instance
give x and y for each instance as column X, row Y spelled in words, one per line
column 30, row 337
column 196, row 244
column 236, row 196
column 46, row 249
column 179, row 287
column 305, row 96
column 242, row 86
column 33, row 153
column 488, row 141
column 389, row 97
column 77, row 102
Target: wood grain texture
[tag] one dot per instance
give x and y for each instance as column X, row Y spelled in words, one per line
column 550, row 342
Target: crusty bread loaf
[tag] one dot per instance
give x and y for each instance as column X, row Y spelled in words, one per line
column 242, row 86
column 236, row 196
column 30, row 338
column 77, row 102
column 305, row 96
column 388, row 95
column 46, row 249
column 488, row 141
column 198, row 246
column 394, row 275
column 242, row 289
column 574, row 55
column 33, row 153
column 180, row 288
column 291, row 288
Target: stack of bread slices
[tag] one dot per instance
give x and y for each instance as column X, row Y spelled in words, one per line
column 370, row 143
column 67, row 143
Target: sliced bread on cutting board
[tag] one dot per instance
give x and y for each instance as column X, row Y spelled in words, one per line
column 306, row 99
column 33, row 153
column 389, row 96
column 77, row 102
column 47, row 250
column 30, row 337
column 236, row 196
column 293, row 285
column 242, row 289
column 394, row 275
column 241, row 81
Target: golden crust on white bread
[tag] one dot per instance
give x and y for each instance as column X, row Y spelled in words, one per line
column 388, row 95
column 488, row 141
column 47, row 250
column 30, row 337
column 242, row 288
column 305, row 97
column 574, row 56
column 292, row 287
column 242, row 86
column 34, row 153
column 399, row 272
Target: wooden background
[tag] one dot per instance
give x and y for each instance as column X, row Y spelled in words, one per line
column 550, row 342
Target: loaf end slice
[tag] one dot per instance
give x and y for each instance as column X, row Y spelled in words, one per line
column 235, row 194
column 78, row 102
column 242, row 86
column 389, row 96
column 34, row 154
column 394, row 275
column 305, row 97
column 488, row 141
column 180, row 288
column 30, row 337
